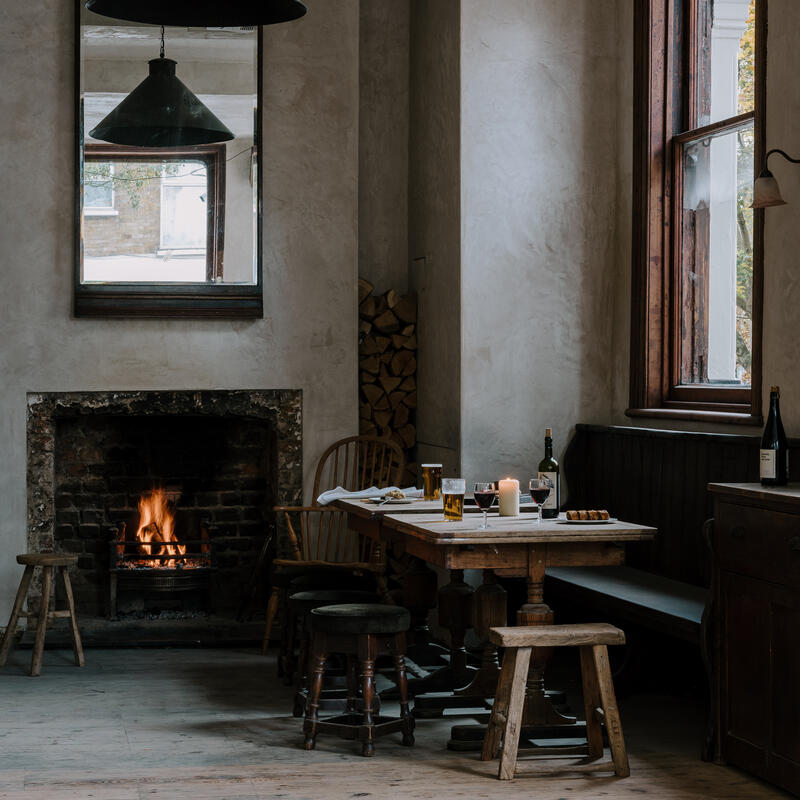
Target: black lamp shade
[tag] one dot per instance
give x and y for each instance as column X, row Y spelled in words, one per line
column 200, row 13
column 161, row 112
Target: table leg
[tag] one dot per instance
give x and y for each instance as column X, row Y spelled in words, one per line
column 539, row 709
column 436, row 692
column 489, row 612
column 419, row 597
column 539, row 720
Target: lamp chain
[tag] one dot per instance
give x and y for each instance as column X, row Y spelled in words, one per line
column 162, row 41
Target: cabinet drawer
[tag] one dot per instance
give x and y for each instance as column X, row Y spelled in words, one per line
column 758, row 542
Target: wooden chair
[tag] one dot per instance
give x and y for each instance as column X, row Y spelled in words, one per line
column 358, row 462
column 47, row 562
column 321, row 544
column 599, row 699
column 354, row 463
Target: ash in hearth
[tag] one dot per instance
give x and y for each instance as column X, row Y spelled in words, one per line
column 156, row 614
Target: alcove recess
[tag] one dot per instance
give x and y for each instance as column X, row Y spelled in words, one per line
column 387, row 349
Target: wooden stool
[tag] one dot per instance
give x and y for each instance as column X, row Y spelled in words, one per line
column 300, row 605
column 47, row 561
column 361, row 632
column 599, row 699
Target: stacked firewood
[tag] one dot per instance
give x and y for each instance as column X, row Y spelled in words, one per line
column 388, row 368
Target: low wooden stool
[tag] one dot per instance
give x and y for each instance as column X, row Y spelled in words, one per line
column 47, row 561
column 362, row 632
column 297, row 638
column 599, row 700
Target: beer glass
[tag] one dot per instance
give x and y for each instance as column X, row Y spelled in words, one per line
column 432, row 481
column 453, row 495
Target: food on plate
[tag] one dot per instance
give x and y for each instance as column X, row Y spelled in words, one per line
column 395, row 494
column 590, row 514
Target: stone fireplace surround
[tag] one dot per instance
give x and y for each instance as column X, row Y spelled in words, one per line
column 281, row 410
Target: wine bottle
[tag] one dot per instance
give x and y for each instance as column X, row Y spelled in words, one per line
column 774, row 448
column 548, row 468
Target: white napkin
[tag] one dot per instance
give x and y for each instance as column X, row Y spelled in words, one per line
column 339, row 493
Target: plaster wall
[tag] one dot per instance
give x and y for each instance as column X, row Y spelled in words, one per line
column 539, row 139
column 434, row 225
column 781, row 345
column 383, row 144
column 307, row 339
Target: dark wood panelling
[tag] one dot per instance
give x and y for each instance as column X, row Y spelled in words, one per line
column 659, row 478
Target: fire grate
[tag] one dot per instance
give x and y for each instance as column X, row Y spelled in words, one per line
column 158, row 567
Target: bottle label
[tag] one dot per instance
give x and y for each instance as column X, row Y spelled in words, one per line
column 552, row 498
column 769, row 465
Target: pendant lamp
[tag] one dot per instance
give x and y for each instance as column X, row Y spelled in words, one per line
column 200, row 13
column 161, row 112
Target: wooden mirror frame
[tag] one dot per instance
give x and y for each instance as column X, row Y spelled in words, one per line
column 188, row 300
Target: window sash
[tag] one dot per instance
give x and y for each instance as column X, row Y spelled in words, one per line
column 665, row 49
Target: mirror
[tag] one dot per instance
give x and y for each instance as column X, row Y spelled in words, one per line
column 168, row 231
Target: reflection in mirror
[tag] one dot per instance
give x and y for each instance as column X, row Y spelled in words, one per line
column 156, row 221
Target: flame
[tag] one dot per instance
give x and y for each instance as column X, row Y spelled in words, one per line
column 156, row 531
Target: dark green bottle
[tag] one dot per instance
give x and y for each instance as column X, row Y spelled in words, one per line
column 774, row 466
column 548, row 468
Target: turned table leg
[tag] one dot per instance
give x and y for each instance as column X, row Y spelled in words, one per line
column 539, row 710
column 490, row 610
column 420, row 585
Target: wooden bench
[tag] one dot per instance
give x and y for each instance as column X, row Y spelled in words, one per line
column 664, row 605
column 659, row 478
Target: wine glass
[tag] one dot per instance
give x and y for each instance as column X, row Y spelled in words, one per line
column 540, row 491
column 484, row 497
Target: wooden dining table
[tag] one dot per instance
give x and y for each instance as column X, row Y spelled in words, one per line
column 519, row 547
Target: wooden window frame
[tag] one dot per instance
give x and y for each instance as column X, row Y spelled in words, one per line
column 212, row 156
column 665, row 116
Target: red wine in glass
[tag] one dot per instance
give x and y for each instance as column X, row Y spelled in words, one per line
column 540, row 490
column 484, row 500
column 484, row 497
column 540, row 495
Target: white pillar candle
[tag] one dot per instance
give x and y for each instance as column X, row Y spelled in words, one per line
column 509, row 497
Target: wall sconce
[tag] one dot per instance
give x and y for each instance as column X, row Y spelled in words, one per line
column 766, row 191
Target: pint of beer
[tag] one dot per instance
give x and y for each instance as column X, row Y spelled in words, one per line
column 453, row 495
column 432, row 481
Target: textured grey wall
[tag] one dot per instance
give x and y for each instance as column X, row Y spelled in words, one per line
column 435, row 224
column 538, row 196
column 383, row 144
column 307, row 339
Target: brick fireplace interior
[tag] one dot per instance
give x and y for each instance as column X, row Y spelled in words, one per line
column 220, row 472
column 222, row 458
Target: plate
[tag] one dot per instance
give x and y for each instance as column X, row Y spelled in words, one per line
column 392, row 501
column 587, row 521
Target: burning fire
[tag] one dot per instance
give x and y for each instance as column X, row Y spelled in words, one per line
column 155, row 545
column 157, row 530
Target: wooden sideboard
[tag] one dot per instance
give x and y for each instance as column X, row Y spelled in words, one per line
column 756, row 543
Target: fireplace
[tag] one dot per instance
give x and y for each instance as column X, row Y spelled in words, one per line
column 166, row 497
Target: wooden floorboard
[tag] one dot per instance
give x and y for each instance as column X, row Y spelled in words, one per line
column 217, row 724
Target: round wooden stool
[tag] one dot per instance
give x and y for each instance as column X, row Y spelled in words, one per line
column 295, row 653
column 362, row 632
column 48, row 562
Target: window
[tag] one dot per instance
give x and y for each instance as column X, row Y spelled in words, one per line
column 168, row 224
column 98, row 189
column 698, row 246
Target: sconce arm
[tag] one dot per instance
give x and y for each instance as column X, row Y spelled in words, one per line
column 785, row 155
